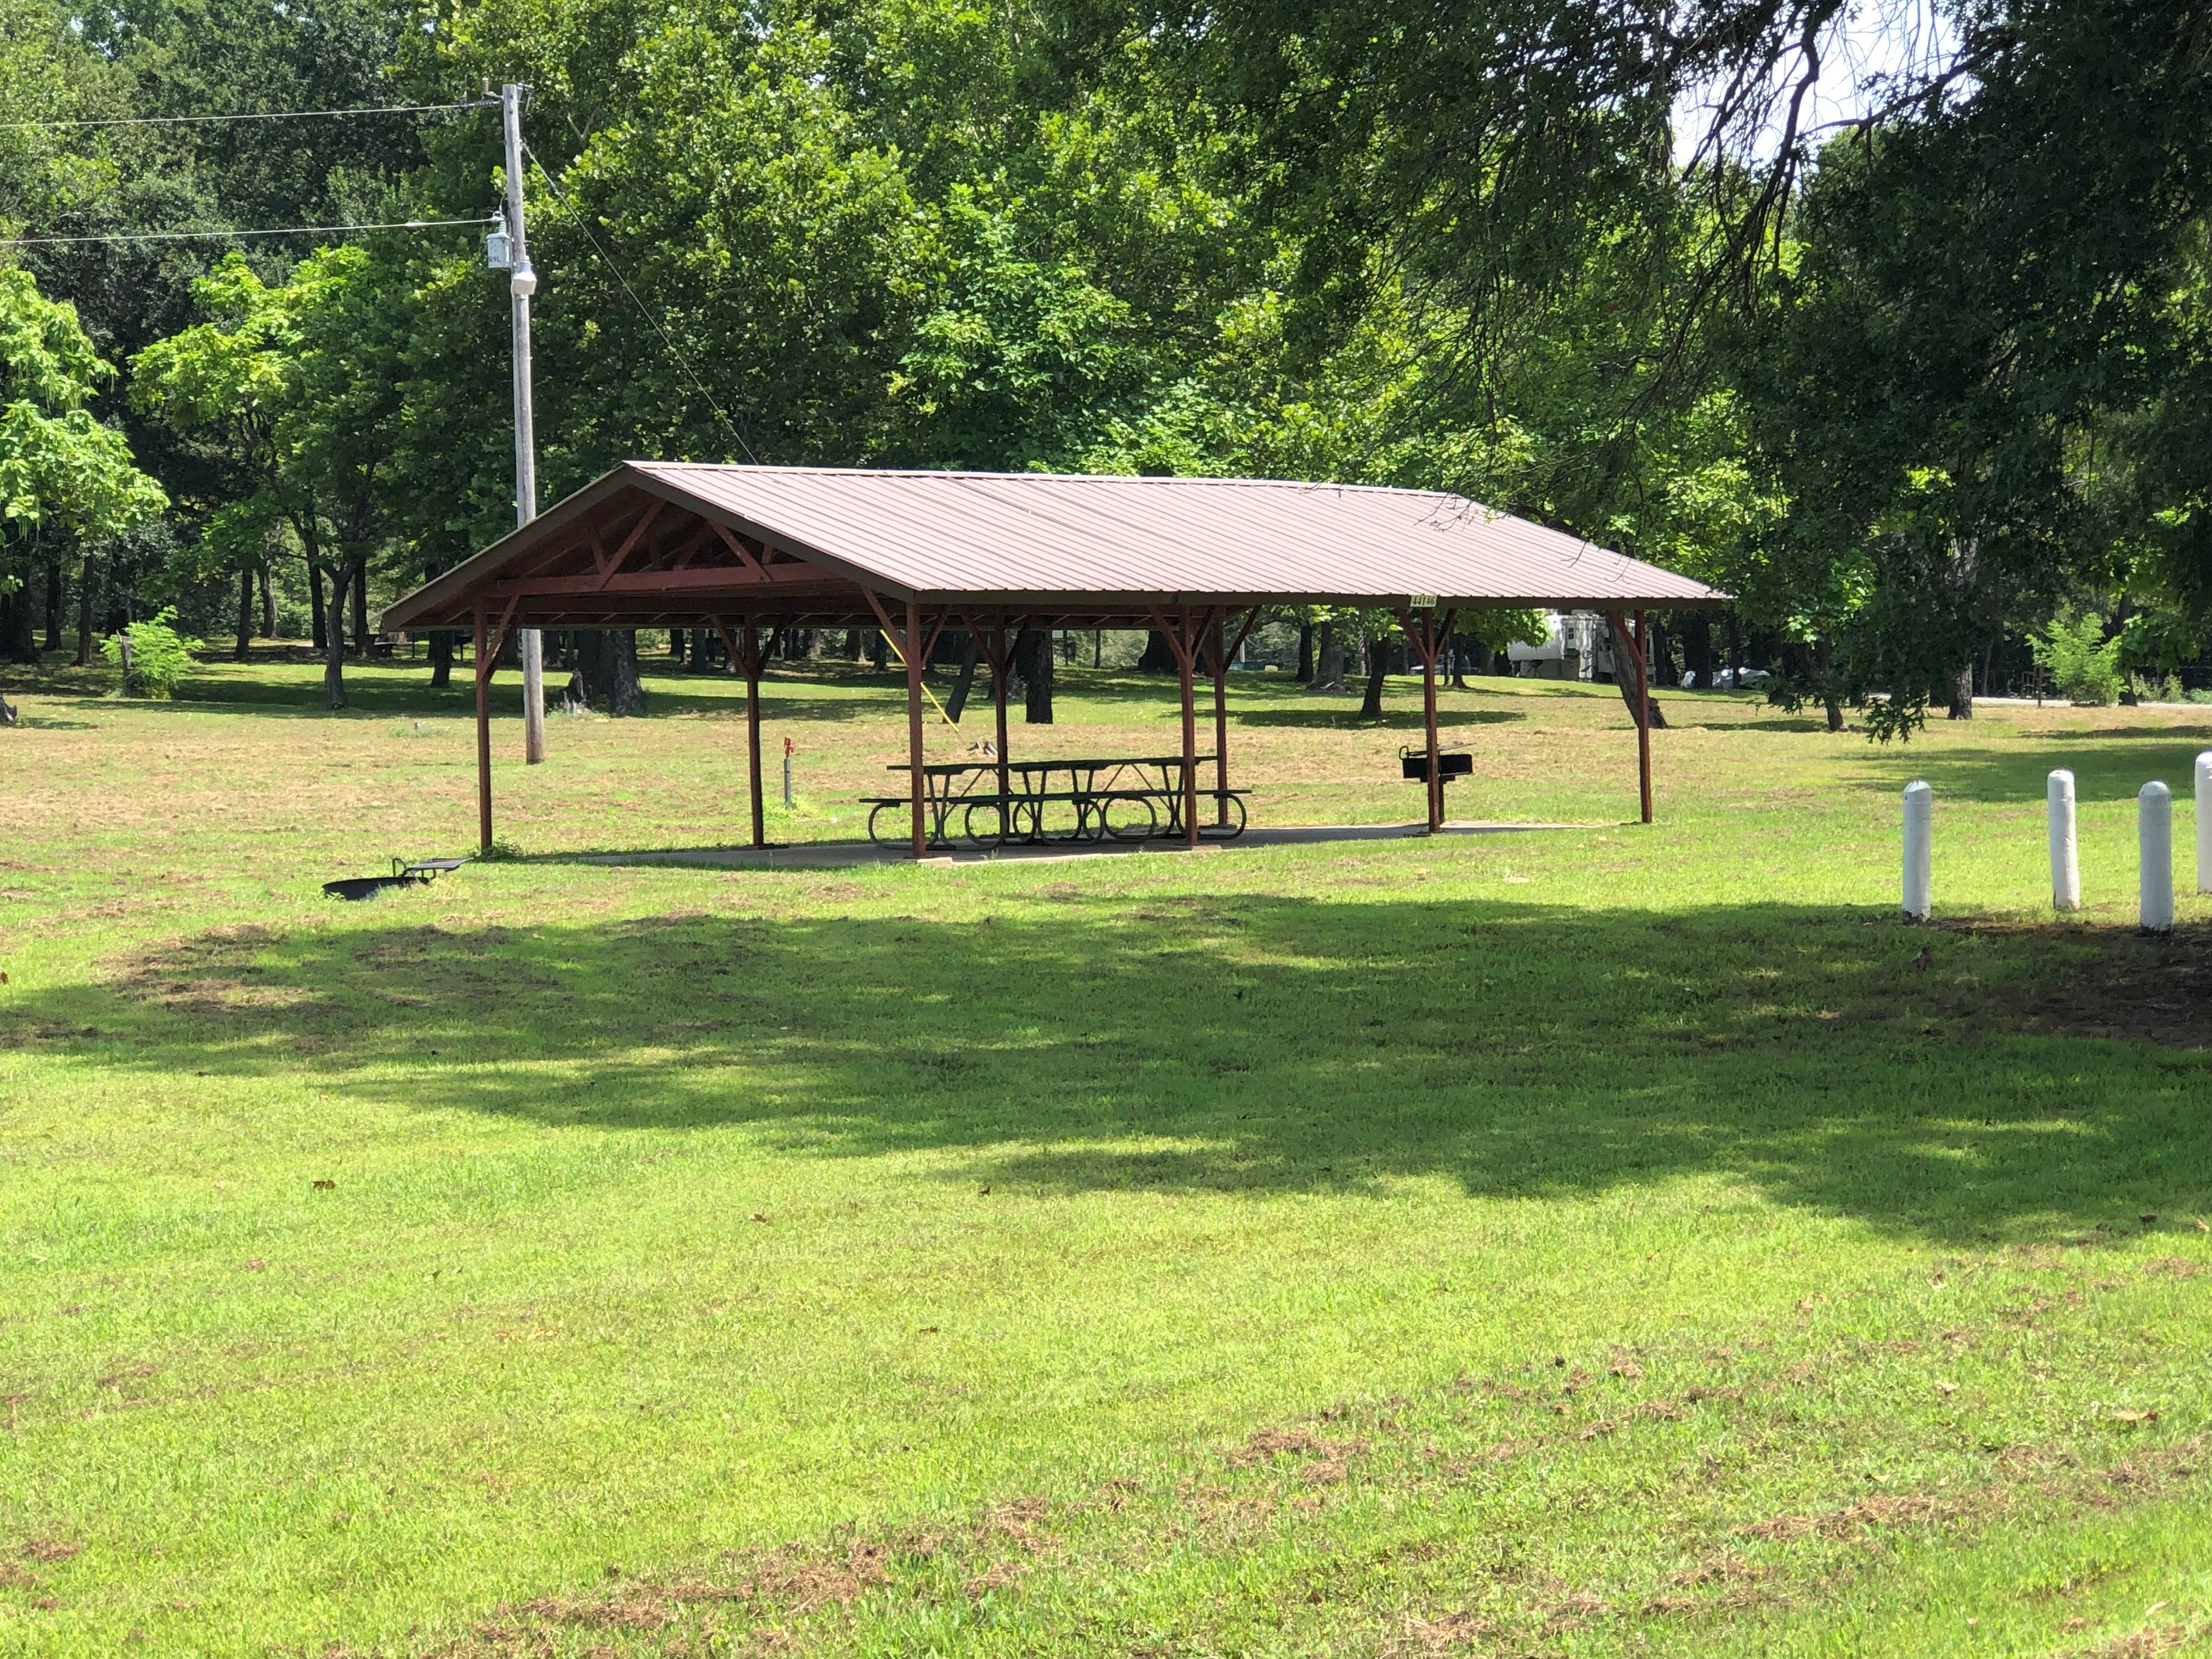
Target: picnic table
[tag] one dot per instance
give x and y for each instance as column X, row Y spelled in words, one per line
column 1125, row 797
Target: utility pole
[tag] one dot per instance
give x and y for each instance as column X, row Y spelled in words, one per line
column 520, row 286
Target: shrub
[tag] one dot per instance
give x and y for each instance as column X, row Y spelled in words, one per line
column 2084, row 664
column 153, row 657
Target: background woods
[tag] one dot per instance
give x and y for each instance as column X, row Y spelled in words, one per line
column 1914, row 383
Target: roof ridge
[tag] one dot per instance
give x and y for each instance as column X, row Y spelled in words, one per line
column 1059, row 477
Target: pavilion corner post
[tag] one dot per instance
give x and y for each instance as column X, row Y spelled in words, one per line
column 483, row 667
column 1633, row 641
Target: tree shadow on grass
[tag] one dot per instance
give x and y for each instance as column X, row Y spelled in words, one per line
column 2106, row 766
column 1349, row 719
column 1262, row 1045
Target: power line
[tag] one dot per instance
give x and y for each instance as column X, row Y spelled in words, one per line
column 251, row 115
column 224, row 235
column 675, row 351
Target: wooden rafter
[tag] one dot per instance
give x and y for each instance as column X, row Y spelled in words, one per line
column 645, row 522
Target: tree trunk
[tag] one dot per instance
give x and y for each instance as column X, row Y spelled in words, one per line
column 958, row 700
column 879, row 652
column 18, row 634
column 84, row 587
column 1662, row 665
column 676, row 646
column 625, row 691
column 1626, row 681
column 360, row 607
column 1962, row 694
column 1698, row 648
column 334, row 694
column 1329, row 671
column 1033, row 653
column 318, row 607
column 1378, row 665
column 268, row 603
column 245, row 615
column 1159, row 656
column 1305, row 654
column 57, row 603
column 606, row 675
column 442, row 658
column 1824, row 665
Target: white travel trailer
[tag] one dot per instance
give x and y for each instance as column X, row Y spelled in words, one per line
column 1577, row 645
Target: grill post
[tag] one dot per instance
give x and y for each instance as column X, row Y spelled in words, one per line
column 1429, row 719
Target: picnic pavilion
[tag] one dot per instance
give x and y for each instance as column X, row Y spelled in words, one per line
column 655, row 545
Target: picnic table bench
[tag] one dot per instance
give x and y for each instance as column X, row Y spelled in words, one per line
column 1120, row 798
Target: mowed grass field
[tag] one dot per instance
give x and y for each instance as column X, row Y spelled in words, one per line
column 1607, row 1240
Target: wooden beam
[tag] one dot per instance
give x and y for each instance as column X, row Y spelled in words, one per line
column 645, row 522
column 484, row 744
column 699, row 579
column 745, row 556
column 915, row 777
column 487, row 660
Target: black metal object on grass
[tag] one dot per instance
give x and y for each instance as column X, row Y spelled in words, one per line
column 418, row 873
column 1451, row 764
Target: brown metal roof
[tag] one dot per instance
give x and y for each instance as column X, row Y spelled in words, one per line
column 674, row 542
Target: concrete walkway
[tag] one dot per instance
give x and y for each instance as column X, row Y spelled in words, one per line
column 841, row 854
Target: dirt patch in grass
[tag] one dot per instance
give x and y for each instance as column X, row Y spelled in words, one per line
column 1265, row 1492
column 2144, row 1643
column 760, row 1596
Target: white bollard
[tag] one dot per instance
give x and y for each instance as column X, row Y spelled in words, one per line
column 2155, row 842
column 1919, row 829
column 2065, row 857
column 2204, row 822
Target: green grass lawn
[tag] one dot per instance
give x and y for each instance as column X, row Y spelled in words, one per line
column 1604, row 1241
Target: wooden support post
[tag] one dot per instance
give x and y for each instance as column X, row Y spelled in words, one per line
column 999, row 702
column 1630, row 639
column 1643, row 716
column 482, row 666
column 1221, row 723
column 1185, row 631
column 1427, row 641
column 752, row 671
column 1428, row 720
column 913, row 651
column 746, row 660
column 1186, row 643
